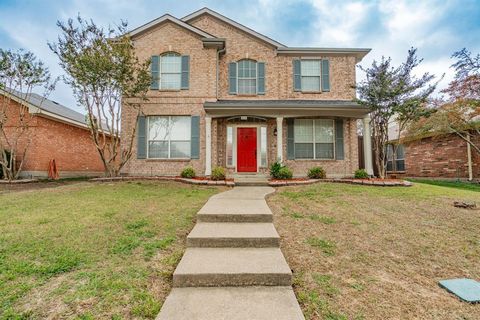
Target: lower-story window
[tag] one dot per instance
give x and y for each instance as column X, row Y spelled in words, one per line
column 229, row 146
column 314, row 139
column 263, row 146
column 396, row 163
column 169, row 137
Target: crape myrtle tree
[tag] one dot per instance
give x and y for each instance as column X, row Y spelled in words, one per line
column 21, row 73
column 394, row 94
column 107, row 78
column 459, row 112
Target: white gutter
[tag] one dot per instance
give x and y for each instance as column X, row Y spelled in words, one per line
column 219, row 51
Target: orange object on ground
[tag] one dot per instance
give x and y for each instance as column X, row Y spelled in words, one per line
column 52, row 170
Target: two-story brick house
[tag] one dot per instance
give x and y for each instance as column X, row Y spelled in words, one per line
column 225, row 95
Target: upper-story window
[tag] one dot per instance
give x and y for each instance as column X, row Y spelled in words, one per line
column 247, row 77
column 310, row 72
column 311, row 75
column 170, row 71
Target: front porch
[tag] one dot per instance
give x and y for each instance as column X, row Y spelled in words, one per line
column 247, row 140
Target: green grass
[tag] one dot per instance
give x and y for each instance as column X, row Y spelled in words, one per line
column 381, row 247
column 106, row 248
column 327, row 247
column 472, row 186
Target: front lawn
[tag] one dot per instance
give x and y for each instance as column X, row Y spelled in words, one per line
column 473, row 186
column 362, row 252
column 92, row 250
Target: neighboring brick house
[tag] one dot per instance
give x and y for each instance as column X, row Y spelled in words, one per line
column 225, row 95
column 56, row 132
column 438, row 156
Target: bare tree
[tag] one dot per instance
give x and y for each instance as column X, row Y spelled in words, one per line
column 20, row 74
column 102, row 68
column 393, row 94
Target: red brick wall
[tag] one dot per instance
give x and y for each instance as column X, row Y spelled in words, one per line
column 440, row 157
column 70, row 146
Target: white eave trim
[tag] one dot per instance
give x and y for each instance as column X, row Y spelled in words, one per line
column 359, row 53
column 233, row 23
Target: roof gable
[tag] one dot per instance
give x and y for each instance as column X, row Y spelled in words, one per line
column 167, row 17
column 233, row 23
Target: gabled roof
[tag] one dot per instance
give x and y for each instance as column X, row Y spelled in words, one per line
column 212, row 41
column 48, row 108
column 229, row 21
column 167, row 17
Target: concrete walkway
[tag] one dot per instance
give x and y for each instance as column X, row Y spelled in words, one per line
column 233, row 267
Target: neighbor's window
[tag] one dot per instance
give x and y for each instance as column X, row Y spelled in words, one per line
column 170, row 71
column 314, row 139
column 396, row 163
column 169, row 137
column 310, row 71
column 247, row 77
column 263, row 146
column 229, row 146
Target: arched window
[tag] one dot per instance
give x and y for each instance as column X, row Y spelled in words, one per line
column 170, row 71
column 247, row 77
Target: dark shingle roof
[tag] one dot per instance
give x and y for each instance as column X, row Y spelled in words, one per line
column 50, row 106
column 284, row 103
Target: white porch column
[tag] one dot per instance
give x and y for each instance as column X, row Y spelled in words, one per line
column 280, row 139
column 208, row 145
column 367, row 145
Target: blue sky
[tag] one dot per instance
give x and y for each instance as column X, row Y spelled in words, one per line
column 389, row 27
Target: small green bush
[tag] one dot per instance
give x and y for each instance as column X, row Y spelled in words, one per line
column 361, row 174
column 316, row 173
column 275, row 168
column 279, row 171
column 218, row 173
column 285, row 173
column 188, row 173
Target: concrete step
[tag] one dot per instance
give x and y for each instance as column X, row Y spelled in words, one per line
column 239, row 210
column 252, row 303
column 241, row 235
column 215, row 267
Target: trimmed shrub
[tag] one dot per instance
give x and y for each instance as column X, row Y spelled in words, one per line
column 218, row 173
column 316, row 173
column 285, row 173
column 361, row 174
column 275, row 168
column 188, row 173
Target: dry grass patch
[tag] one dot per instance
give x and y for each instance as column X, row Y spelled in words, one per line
column 93, row 250
column 361, row 252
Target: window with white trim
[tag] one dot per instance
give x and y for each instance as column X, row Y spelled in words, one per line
column 314, row 139
column 169, row 137
column 170, row 71
column 247, row 77
column 229, row 146
column 311, row 74
column 263, row 146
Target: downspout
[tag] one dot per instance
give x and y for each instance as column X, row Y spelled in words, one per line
column 219, row 52
column 469, row 158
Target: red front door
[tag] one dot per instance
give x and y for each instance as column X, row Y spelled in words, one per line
column 247, row 149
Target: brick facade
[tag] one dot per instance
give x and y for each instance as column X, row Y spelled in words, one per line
column 70, row 146
column 440, row 157
column 169, row 36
